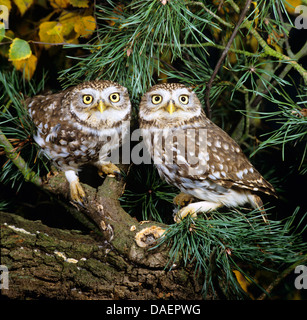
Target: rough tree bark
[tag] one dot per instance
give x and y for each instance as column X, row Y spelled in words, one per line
column 51, row 263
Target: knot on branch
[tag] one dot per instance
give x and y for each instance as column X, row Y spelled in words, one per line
column 148, row 236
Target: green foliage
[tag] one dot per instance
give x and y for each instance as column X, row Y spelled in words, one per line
column 218, row 244
column 18, row 128
column 292, row 130
column 130, row 48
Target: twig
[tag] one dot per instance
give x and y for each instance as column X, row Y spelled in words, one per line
column 50, row 43
column 224, row 53
column 267, row 49
column 11, row 154
column 211, row 44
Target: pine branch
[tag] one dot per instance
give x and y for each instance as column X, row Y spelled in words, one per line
column 300, row 54
column 213, row 45
column 267, row 49
column 216, row 244
column 19, row 162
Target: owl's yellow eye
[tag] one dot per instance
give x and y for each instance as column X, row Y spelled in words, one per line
column 156, row 98
column 184, row 99
column 114, row 97
column 87, row 99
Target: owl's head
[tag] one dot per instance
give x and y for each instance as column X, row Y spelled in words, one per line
column 100, row 103
column 168, row 104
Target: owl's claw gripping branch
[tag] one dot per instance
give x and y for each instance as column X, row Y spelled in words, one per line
column 182, row 199
column 110, row 170
column 193, row 208
column 77, row 193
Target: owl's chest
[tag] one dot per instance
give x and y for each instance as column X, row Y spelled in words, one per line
column 180, row 151
column 76, row 145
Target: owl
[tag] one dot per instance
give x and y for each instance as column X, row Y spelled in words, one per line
column 195, row 155
column 81, row 125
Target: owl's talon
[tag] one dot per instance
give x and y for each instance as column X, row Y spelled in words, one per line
column 79, row 203
column 77, row 193
column 118, row 175
column 182, row 199
column 181, row 214
column 109, row 169
column 193, row 208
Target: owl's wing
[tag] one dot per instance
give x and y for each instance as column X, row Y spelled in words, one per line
column 224, row 163
column 45, row 110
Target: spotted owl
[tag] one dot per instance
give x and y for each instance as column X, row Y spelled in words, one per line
column 176, row 131
column 75, row 127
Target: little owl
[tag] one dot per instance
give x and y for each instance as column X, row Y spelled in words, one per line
column 75, row 126
column 177, row 132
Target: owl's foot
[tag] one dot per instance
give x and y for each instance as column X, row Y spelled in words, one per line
column 182, row 199
column 109, row 169
column 194, row 208
column 77, row 193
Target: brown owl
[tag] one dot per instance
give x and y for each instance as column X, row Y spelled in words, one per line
column 81, row 125
column 194, row 154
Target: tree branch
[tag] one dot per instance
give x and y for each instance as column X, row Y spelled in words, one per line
column 49, row 263
column 11, row 153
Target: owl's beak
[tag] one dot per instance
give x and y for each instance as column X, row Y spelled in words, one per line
column 170, row 108
column 101, row 106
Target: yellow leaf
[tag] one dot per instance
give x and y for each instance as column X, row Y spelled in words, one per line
column 68, row 21
column 51, row 32
column 19, row 49
column 86, row 26
column 23, row 5
column 27, row 65
column 56, row 30
column 243, row 281
column 59, row 3
column 79, row 3
column 6, row 3
column 291, row 4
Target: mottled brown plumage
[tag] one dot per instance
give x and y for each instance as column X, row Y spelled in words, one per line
column 75, row 126
column 171, row 115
